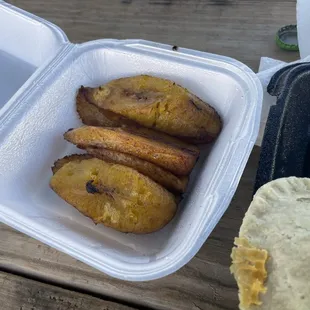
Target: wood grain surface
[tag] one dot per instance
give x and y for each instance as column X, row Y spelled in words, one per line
column 19, row 293
column 243, row 29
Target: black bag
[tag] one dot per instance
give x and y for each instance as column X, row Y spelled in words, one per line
column 285, row 149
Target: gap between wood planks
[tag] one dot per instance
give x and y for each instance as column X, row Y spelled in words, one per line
column 71, row 288
column 20, row 293
column 103, row 297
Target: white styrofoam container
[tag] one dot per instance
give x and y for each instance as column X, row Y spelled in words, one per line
column 33, row 121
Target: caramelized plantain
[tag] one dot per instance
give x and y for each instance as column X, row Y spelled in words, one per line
column 160, row 149
column 114, row 195
column 160, row 104
column 75, row 157
column 91, row 115
column 156, row 173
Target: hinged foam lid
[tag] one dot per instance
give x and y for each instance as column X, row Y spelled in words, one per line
column 27, row 43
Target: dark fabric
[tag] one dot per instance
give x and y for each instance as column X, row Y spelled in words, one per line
column 285, row 148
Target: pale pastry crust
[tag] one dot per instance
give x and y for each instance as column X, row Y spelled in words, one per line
column 278, row 221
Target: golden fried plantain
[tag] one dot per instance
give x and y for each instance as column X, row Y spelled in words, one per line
column 91, row 115
column 160, row 104
column 114, row 195
column 75, row 157
column 158, row 174
column 160, row 149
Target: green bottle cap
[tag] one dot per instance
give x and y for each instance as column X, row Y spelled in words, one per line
column 286, row 38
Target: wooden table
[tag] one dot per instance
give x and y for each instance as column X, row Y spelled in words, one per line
column 34, row 276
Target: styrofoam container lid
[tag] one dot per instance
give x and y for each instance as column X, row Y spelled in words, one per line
column 27, row 43
column 32, row 127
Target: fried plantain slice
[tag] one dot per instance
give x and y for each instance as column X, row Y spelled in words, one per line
column 75, row 157
column 157, row 148
column 160, row 104
column 158, row 174
column 114, row 195
column 91, row 115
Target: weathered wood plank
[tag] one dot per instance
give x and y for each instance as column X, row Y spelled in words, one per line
column 204, row 283
column 243, row 29
column 18, row 293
